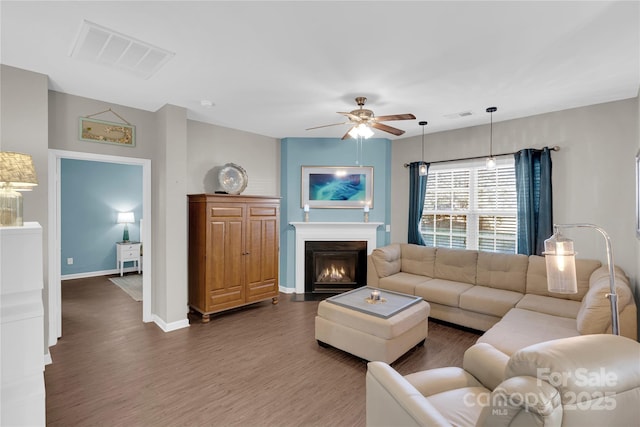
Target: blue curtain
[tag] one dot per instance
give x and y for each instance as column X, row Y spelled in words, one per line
column 534, row 196
column 417, row 192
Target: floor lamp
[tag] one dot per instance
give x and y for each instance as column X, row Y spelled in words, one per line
column 561, row 267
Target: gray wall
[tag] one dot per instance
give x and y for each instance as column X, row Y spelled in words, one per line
column 24, row 129
column 593, row 173
column 210, row 147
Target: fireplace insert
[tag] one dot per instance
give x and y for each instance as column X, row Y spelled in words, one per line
column 335, row 266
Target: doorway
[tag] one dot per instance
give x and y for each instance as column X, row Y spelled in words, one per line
column 54, row 240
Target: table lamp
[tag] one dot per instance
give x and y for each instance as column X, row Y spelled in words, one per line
column 16, row 174
column 125, row 218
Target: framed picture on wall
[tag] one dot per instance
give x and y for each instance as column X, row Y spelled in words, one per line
column 337, row 186
column 93, row 130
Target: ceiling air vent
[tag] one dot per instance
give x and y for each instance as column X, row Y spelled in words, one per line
column 458, row 115
column 101, row 45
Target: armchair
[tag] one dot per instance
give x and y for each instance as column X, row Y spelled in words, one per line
column 577, row 381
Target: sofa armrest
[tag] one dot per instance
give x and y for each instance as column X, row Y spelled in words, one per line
column 392, row 400
column 386, row 260
column 439, row 380
column 486, row 363
column 523, row 401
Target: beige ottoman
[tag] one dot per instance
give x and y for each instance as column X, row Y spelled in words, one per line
column 371, row 337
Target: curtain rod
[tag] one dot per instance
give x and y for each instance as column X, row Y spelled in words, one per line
column 406, row 165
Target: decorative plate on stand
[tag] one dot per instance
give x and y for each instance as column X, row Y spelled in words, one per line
column 233, row 178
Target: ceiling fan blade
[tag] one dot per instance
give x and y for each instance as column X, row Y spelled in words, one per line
column 346, row 135
column 324, row 126
column 386, row 128
column 395, row 117
column 350, row 116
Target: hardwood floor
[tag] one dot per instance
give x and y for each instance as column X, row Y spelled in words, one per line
column 255, row 366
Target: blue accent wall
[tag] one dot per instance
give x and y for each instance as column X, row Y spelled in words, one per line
column 298, row 152
column 92, row 193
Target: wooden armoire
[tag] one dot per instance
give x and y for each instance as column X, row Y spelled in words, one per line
column 233, row 251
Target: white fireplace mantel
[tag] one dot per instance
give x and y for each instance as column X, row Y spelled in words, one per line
column 331, row 231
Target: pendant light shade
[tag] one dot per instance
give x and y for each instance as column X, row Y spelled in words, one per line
column 491, row 161
column 423, row 169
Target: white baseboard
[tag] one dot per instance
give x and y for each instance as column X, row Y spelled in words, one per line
column 97, row 273
column 287, row 290
column 168, row 327
column 47, row 359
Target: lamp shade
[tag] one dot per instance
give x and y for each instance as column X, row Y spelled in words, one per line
column 560, row 259
column 16, row 174
column 125, row 218
column 16, row 170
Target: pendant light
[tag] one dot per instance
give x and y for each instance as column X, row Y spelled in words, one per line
column 491, row 161
column 423, row 170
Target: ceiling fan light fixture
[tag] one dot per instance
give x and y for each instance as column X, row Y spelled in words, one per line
column 361, row 130
column 363, row 120
column 491, row 161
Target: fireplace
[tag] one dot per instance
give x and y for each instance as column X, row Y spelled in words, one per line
column 335, row 266
column 329, row 231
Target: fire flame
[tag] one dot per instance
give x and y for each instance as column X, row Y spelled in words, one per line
column 333, row 274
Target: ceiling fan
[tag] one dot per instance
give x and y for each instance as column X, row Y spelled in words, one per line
column 361, row 119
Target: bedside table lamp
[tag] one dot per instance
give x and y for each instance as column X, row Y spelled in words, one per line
column 561, row 267
column 16, row 174
column 125, row 218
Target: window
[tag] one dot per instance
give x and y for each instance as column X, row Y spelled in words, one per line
column 468, row 206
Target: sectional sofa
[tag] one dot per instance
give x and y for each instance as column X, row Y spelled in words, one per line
column 504, row 295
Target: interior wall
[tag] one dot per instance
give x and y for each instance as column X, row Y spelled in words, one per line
column 92, row 193
column 65, row 111
column 210, row 147
column 593, row 173
column 298, row 152
column 24, row 128
column 170, row 218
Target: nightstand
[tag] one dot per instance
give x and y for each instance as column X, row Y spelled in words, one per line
column 127, row 251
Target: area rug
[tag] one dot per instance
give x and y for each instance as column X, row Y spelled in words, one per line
column 131, row 284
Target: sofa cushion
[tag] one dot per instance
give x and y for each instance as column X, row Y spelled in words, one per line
column 457, row 265
column 502, row 271
column 483, row 299
column 417, row 259
column 550, row 305
column 594, row 316
column 537, row 277
column 521, row 328
column 445, row 292
column 387, row 260
column 402, row 282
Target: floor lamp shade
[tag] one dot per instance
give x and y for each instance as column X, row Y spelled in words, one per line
column 125, row 218
column 16, row 174
column 561, row 267
column 560, row 259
